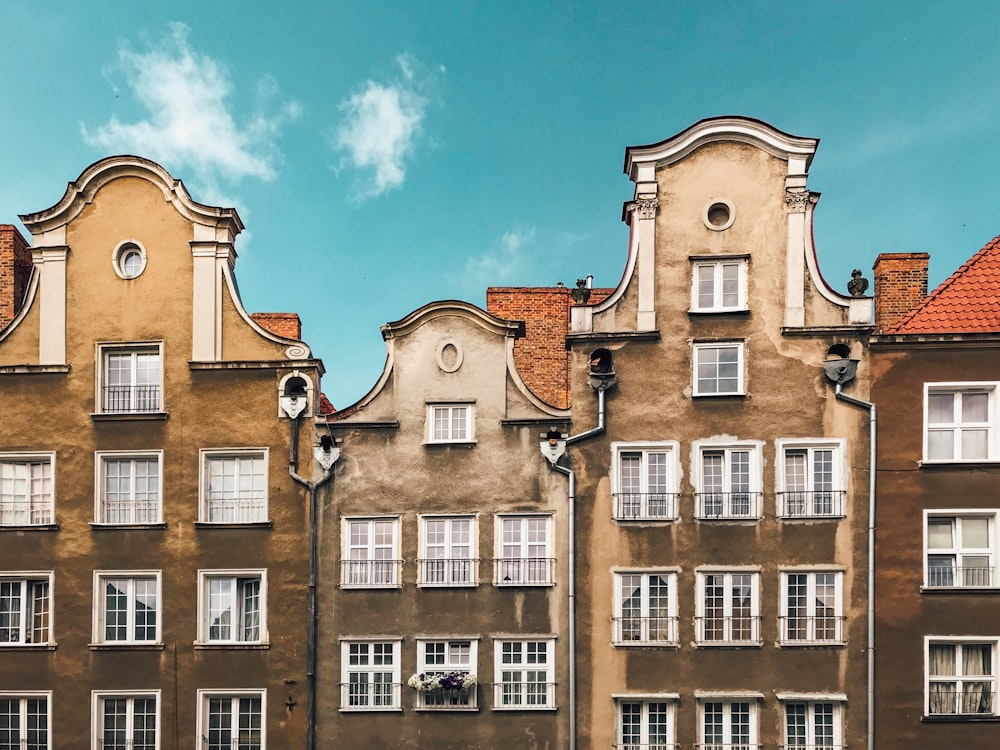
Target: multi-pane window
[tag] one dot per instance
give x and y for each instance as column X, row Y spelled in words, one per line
column 646, row 723
column 128, row 607
column 525, row 547
column 233, row 606
column 728, row 608
column 370, row 676
column 813, row 724
column 960, row 550
column 645, row 482
column 728, row 724
column 810, row 480
column 26, row 490
column 719, row 285
column 450, row 423
column 444, row 657
column 371, row 553
column 129, row 488
column 234, row 486
column 448, row 546
column 958, row 423
column 524, row 674
column 130, row 381
column 718, row 369
column 25, row 609
column 961, row 677
column 25, row 721
column 232, row 720
column 812, row 607
column 126, row 721
column 729, row 485
column 645, row 608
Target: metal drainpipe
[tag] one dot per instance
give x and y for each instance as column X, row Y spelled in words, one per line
column 871, row 557
column 311, row 637
column 571, row 504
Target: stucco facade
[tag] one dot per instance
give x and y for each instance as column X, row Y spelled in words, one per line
column 153, row 554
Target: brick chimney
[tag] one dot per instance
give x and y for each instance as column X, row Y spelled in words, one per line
column 286, row 325
column 15, row 270
column 900, row 285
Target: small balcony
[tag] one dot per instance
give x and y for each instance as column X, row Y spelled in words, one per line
column 646, row 746
column 525, row 571
column 645, row 506
column 820, row 504
column 942, row 575
column 645, row 631
column 25, row 512
column 728, row 506
column 446, row 572
column 131, row 399
column 374, row 694
column 222, row 507
column 737, row 630
column 524, row 695
column 370, row 574
column 804, row 631
column 463, row 699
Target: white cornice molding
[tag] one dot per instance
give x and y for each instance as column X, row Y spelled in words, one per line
column 451, row 308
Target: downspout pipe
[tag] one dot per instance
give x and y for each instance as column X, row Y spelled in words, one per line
column 871, row 554
column 330, row 454
column 553, row 458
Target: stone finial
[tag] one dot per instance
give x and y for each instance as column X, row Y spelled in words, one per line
column 858, row 284
column 581, row 295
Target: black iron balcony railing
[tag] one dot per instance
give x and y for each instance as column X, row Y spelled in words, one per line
column 813, row 746
column 643, row 630
column 370, row 574
column 246, row 741
column 646, row 746
column 818, row 629
column 727, row 506
column 737, row 629
column 131, row 399
column 447, row 700
column 146, row 744
column 25, row 512
column 524, row 695
column 367, row 693
column 973, row 698
column 525, row 571
column 645, row 506
column 818, row 504
column 959, row 576
column 728, row 746
column 448, row 571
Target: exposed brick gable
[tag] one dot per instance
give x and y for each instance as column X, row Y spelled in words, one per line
column 15, row 270
column 286, row 325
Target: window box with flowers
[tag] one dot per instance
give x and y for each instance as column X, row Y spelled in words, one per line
column 453, row 690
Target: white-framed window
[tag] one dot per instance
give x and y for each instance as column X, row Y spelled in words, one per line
column 718, row 369
column 961, row 676
column 728, row 607
column 958, row 422
column 128, row 606
column 232, row 607
column 456, row 657
column 129, row 488
column 232, row 719
column 130, row 378
column 524, row 546
column 370, row 675
column 371, row 553
column 26, row 720
column 727, row 722
column 810, row 478
column 448, row 551
column 126, row 719
column 524, row 674
column 812, row 607
column 959, row 548
column 644, row 481
column 728, row 481
column 645, row 608
column 27, row 489
column 234, row 485
column 646, row 722
column 813, row 721
column 719, row 285
column 26, row 609
column 450, row 423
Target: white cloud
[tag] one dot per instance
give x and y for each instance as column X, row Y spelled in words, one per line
column 501, row 264
column 381, row 125
column 189, row 122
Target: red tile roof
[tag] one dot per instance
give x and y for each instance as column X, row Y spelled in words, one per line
column 968, row 301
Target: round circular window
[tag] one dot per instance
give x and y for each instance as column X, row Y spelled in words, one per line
column 129, row 259
column 719, row 215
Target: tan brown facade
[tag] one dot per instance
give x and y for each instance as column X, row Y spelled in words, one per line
column 153, row 547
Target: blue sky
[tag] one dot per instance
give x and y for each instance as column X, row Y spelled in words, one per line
column 383, row 155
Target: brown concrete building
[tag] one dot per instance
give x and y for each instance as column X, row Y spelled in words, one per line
column 722, row 513
column 154, row 554
column 936, row 372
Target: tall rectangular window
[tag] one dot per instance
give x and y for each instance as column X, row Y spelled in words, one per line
column 718, row 369
column 728, row 608
column 25, row 609
column 959, row 549
column 232, row 720
column 126, row 721
column 452, row 659
column 810, row 479
column 812, row 607
column 25, row 721
column 371, row 553
column 447, row 554
column 524, row 674
column 233, row 606
column 813, row 724
column 450, row 423
column 234, row 486
column 128, row 607
column 129, row 488
column 961, row 677
column 26, row 489
column 370, row 676
column 728, row 724
column 644, row 481
column 525, row 544
column 131, row 379
column 958, row 422
column 645, row 608
column 719, row 285
column 646, row 723
column 729, row 483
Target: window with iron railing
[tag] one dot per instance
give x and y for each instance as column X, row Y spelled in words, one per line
column 959, row 550
column 644, row 481
column 728, row 608
column 26, row 490
column 25, row 609
column 728, row 485
column 524, row 675
column 234, row 486
column 129, row 488
column 645, row 608
column 131, row 380
column 812, row 607
column 813, row 724
column 447, row 547
column 810, row 478
column 26, row 721
column 127, row 721
column 961, row 677
column 646, row 723
column 371, row 550
column 444, row 657
column 370, row 676
column 727, row 724
column 524, row 543
column 232, row 721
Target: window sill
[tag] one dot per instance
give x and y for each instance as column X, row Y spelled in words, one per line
column 137, row 416
column 446, row 443
column 125, row 646
column 524, row 708
column 29, row 647
column 519, row 585
column 723, row 396
column 826, row 517
column 936, row 590
column 423, row 585
column 810, row 644
column 371, row 586
column 728, row 519
column 370, row 710
column 654, row 521
column 729, row 644
column 440, row 709
column 207, row 646
column 953, row 718
column 31, row 527
column 217, row 525
column 96, row 526
column 698, row 312
column 647, row 645
column 951, row 463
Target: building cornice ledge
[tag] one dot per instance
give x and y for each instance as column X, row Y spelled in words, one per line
column 810, row 331
column 936, row 341
column 33, row 369
column 257, row 364
column 614, row 336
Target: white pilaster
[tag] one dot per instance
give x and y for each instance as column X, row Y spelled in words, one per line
column 51, row 265
column 644, row 228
